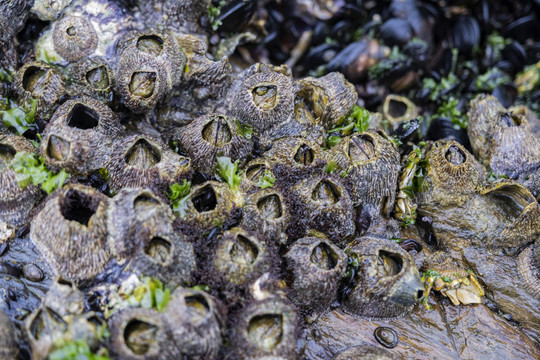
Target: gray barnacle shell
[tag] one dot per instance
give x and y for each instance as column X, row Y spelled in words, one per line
column 92, row 77
column 16, row 203
column 14, row 13
column 8, row 347
column 80, row 136
column 7, row 47
column 388, row 284
column 210, row 136
column 194, row 324
column 316, row 266
column 74, row 37
column 71, row 232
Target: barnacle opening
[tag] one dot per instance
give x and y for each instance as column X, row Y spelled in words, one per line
column 150, row 44
column 265, row 96
column 266, row 331
column 396, row 108
column 270, row 207
column 388, row 263
column 324, row 257
column 362, row 148
column 82, row 117
column 78, row 206
column 7, row 152
column 304, row 155
column 326, row 193
column 510, row 119
column 217, row 131
column 98, row 78
column 143, row 83
column 310, row 103
column 144, row 202
column 511, row 200
column 71, row 31
column 143, row 155
column 139, row 336
column 198, row 307
column 40, row 324
column 244, row 251
column 204, row 199
column 159, row 249
column 58, row 148
column 33, row 78
column 455, row 155
column 255, row 172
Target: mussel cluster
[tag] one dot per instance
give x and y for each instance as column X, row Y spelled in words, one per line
column 166, row 195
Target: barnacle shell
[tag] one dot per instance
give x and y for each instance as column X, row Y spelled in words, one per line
column 16, row 203
column 371, row 164
column 327, row 100
column 316, row 266
column 8, row 348
column 71, row 232
column 528, row 265
column 366, row 352
column 398, row 108
column 266, row 211
column 92, row 77
column 14, row 12
column 266, row 328
column 183, row 16
column 253, row 173
column 241, row 256
column 79, row 136
column 194, row 324
column 294, row 152
column 387, row 283
column 139, row 161
column 139, row 334
column 74, row 37
column 210, row 136
column 7, row 47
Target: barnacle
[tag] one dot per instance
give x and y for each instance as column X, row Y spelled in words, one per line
column 74, row 37
column 71, row 232
column 528, row 265
column 316, row 266
column 92, row 77
column 16, row 203
column 387, row 284
column 257, row 174
column 397, row 109
column 8, row 345
column 142, row 161
column 294, row 152
column 210, row 136
column 79, row 136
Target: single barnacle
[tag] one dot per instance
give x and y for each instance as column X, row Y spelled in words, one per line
column 294, row 152
column 213, row 135
column 316, row 266
column 241, row 256
column 387, row 284
column 16, row 203
column 74, row 37
column 262, row 97
column 398, row 109
column 265, row 328
column 257, row 174
column 71, row 232
column 141, row 161
column 194, row 324
column 80, row 136
column 366, row 352
column 138, row 333
column 326, row 100
column 92, row 77
column 320, row 203
column 369, row 164
column 266, row 211
column 8, row 345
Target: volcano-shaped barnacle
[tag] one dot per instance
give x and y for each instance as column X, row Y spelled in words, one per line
column 387, row 283
column 92, row 77
column 8, row 345
column 365, row 352
column 262, row 97
column 138, row 334
column 194, row 324
column 16, row 203
column 327, row 100
column 370, row 165
column 294, row 152
column 71, row 232
column 241, row 256
column 142, row 161
column 74, row 37
column 266, row 328
column 79, row 136
column 210, row 204
column 321, row 203
column 210, row 136
column 266, row 211
column 37, row 80
column 316, row 267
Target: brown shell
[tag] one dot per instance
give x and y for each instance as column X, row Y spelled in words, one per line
column 316, row 266
column 142, row 161
column 8, row 344
column 294, row 152
column 194, row 324
column 210, row 136
column 74, row 37
column 92, row 77
column 80, row 136
column 16, row 203
column 528, row 265
column 71, row 232
column 388, row 284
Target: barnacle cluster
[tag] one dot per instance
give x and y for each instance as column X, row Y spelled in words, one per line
column 252, row 199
